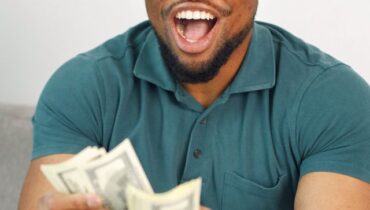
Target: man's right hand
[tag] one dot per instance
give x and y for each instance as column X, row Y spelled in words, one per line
column 38, row 193
column 60, row 201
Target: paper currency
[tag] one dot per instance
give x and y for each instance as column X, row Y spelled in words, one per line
column 108, row 176
column 112, row 175
column 66, row 176
column 184, row 197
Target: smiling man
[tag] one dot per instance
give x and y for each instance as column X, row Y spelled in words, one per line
column 267, row 120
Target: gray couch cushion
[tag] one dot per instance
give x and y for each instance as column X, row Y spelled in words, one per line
column 15, row 151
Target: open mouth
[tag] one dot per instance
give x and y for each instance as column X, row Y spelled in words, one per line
column 194, row 25
column 194, row 29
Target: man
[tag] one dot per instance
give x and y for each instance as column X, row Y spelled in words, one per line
column 268, row 121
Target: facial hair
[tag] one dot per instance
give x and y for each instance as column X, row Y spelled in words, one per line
column 206, row 70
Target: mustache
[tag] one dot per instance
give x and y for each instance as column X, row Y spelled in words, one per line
column 223, row 10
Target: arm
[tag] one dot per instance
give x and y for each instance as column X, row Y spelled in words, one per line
column 37, row 192
column 67, row 119
column 333, row 135
column 331, row 191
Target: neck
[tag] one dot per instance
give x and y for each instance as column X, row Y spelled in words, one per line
column 206, row 93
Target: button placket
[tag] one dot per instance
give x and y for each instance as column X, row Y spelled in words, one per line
column 197, row 156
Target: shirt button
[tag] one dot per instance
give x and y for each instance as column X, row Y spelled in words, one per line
column 197, row 153
column 203, row 121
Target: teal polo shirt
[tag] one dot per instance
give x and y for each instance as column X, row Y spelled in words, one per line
column 290, row 110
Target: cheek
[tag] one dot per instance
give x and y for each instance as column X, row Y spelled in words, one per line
column 159, row 25
column 153, row 9
column 153, row 12
column 243, row 17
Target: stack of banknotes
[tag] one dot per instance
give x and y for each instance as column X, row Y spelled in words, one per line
column 120, row 180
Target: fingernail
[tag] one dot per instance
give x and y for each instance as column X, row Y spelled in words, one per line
column 93, row 201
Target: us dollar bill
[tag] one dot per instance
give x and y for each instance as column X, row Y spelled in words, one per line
column 184, row 197
column 65, row 177
column 110, row 175
column 119, row 179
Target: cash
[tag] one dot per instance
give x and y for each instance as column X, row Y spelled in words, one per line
column 65, row 176
column 119, row 179
column 183, row 197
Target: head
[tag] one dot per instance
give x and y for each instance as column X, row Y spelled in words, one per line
column 197, row 37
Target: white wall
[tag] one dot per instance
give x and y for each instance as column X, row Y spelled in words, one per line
column 37, row 36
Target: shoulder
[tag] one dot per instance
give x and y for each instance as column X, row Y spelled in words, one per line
column 123, row 48
column 298, row 62
column 296, row 51
column 106, row 64
column 89, row 78
column 81, row 97
column 327, row 106
column 307, row 74
column 317, row 77
column 117, row 47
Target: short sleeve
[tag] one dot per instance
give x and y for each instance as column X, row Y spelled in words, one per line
column 333, row 124
column 68, row 116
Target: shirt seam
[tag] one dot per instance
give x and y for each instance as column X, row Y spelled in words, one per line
column 71, row 149
column 302, row 60
column 296, row 106
column 124, row 90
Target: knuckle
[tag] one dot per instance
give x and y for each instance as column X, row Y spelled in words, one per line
column 46, row 202
column 49, row 201
column 80, row 204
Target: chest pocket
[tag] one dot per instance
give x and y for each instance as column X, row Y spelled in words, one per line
column 242, row 194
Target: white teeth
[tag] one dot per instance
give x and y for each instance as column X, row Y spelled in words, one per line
column 203, row 15
column 195, row 15
column 189, row 15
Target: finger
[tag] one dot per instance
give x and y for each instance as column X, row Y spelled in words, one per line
column 204, row 208
column 59, row 201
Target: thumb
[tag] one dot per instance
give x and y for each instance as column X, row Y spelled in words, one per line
column 60, row 201
column 204, row 208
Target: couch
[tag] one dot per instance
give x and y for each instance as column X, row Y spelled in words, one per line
column 15, row 151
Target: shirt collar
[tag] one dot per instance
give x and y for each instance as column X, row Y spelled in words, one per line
column 150, row 65
column 257, row 71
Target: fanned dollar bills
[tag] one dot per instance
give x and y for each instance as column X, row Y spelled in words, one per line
column 66, row 176
column 119, row 179
column 183, row 197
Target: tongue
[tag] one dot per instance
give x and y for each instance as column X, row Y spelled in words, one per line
column 196, row 29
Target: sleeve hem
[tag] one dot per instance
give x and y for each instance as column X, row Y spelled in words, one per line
column 45, row 151
column 331, row 166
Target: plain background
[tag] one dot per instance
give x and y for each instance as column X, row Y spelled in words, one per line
column 38, row 36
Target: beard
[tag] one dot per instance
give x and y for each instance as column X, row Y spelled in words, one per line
column 203, row 71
